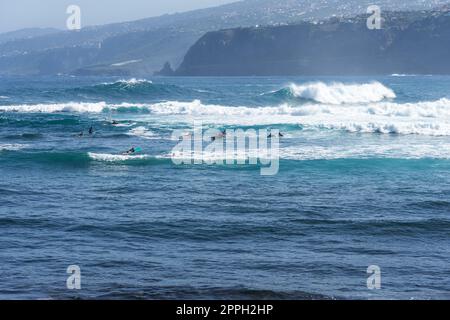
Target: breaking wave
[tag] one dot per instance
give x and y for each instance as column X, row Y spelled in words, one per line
column 78, row 159
column 138, row 88
column 337, row 93
column 131, row 84
column 143, row 133
column 116, row 157
column 423, row 118
column 12, row 147
column 76, row 107
column 411, row 151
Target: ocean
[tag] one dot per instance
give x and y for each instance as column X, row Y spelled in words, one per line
column 363, row 180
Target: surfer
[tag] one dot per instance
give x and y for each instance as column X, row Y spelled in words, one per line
column 114, row 123
column 81, row 134
column 131, row 151
column 91, row 130
column 279, row 135
column 222, row 134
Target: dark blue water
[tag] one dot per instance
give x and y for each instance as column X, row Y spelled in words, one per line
column 364, row 179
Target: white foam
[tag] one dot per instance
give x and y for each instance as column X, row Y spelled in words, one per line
column 12, row 147
column 125, row 124
column 78, row 107
column 143, row 132
column 4, row 97
column 196, row 108
column 358, row 150
column 426, row 118
column 133, row 81
column 392, row 150
column 423, row 118
column 217, row 156
column 115, row 157
column 422, row 128
column 340, row 93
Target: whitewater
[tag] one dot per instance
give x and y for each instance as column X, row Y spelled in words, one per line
column 365, row 108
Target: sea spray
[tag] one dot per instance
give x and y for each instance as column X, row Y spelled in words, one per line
column 340, row 93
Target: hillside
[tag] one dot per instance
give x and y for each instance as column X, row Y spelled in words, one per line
column 28, row 33
column 408, row 43
column 142, row 47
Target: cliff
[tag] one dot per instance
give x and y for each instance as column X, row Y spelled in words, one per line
column 410, row 43
column 149, row 43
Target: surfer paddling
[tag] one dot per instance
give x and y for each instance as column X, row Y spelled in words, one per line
column 131, row 151
column 222, row 134
column 279, row 135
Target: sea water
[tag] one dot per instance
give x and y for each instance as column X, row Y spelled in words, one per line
column 364, row 180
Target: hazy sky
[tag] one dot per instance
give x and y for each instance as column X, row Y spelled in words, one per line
column 18, row 14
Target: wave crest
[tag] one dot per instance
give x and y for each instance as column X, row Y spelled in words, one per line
column 12, row 147
column 116, row 157
column 424, row 118
column 76, row 107
column 133, row 82
column 340, row 93
column 140, row 87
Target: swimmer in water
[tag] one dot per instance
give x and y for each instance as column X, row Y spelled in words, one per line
column 279, row 135
column 222, row 134
column 131, row 151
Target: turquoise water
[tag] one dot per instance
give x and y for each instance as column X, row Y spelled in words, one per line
column 364, row 179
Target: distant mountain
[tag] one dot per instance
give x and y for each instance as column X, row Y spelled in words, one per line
column 408, row 43
column 144, row 46
column 26, row 34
